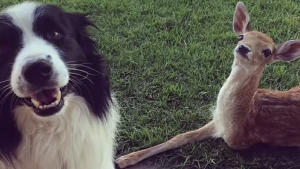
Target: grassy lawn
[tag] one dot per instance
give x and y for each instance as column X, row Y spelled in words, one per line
column 167, row 61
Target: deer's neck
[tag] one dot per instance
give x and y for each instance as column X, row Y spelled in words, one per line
column 238, row 90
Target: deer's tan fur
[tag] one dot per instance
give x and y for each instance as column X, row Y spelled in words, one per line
column 245, row 115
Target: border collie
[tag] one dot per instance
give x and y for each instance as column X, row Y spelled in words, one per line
column 56, row 109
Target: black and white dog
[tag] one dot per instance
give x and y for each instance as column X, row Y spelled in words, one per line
column 56, row 109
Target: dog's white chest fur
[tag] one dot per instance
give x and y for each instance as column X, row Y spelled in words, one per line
column 72, row 139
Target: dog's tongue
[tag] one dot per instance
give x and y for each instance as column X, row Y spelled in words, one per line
column 46, row 96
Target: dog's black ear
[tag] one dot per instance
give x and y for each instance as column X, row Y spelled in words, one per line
column 97, row 93
column 80, row 22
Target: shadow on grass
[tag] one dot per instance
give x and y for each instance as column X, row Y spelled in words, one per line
column 263, row 156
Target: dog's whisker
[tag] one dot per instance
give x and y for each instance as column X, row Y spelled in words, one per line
column 79, row 70
column 6, row 86
column 76, row 83
column 4, row 98
column 77, row 64
column 13, row 102
column 74, row 78
column 6, row 94
column 92, row 69
column 73, row 87
column 84, row 77
column 76, row 61
column 4, row 91
column 82, row 65
column 4, row 81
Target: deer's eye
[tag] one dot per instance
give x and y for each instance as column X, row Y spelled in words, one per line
column 267, row 52
column 240, row 37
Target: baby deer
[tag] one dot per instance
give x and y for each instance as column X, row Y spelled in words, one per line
column 245, row 115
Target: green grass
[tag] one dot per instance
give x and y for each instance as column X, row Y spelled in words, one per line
column 167, row 61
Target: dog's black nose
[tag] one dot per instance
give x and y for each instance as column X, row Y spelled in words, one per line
column 243, row 49
column 38, row 73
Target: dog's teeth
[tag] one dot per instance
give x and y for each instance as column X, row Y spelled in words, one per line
column 53, row 104
column 43, row 107
column 58, row 96
column 35, row 103
column 56, row 102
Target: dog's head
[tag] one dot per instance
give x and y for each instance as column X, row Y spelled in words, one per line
column 46, row 54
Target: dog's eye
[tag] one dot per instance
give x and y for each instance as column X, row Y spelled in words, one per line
column 240, row 37
column 54, row 35
column 267, row 52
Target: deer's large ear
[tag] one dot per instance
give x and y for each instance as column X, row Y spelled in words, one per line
column 287, row 51
column 241, row 19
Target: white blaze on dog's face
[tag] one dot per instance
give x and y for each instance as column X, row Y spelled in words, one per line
column 44, row 50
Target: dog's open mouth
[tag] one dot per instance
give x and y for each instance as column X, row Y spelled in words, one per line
column 47, row 101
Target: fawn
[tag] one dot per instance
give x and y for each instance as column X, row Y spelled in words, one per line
column 245, row 115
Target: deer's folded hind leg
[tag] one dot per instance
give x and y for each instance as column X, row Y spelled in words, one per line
column 177, row 141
